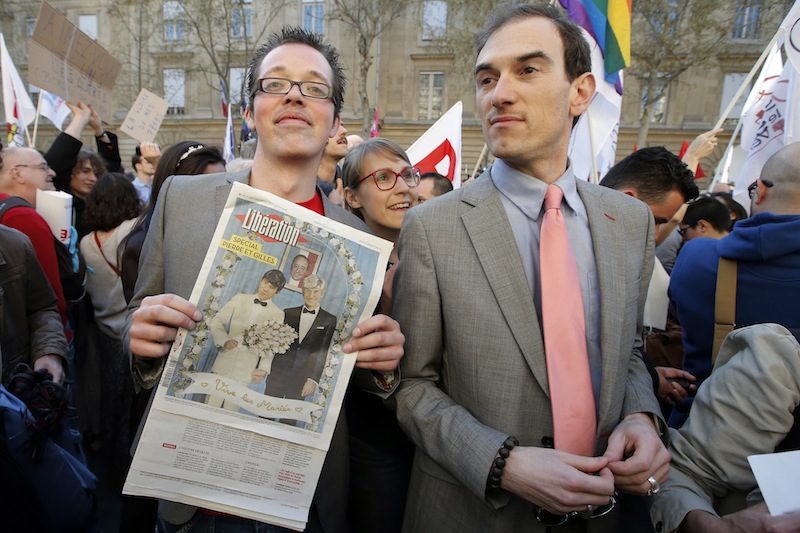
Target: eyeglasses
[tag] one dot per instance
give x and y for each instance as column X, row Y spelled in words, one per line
column 311, row 89
column 753, row 187
column 40, row 166
column 682, row 231
column 385, row 179
column 552, row 520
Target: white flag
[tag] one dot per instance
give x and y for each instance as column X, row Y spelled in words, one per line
column 762, row 90
column 603, row 119
column 54, row 108
column 770, row 116
column 791, row 25
column 19, row 109
column 439, row 148
column 227, row 152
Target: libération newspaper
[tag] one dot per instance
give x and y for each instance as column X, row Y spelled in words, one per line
column 246, row 407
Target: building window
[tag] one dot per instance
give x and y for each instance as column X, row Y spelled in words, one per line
column 175, row 90
column 730, row 85
column 431, row 95
column 30, row 25
column 745, row 21
column 313, row 15
column 88, row 25
column 237, row 80
column 242, row 22
column 173, row 21
column 434, row 20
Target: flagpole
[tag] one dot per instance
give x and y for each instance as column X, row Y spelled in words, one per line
column 718, row 171
column 478, row 162
column 36, row 119
column 749, row 78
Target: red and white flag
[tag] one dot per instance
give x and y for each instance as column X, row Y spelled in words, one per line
column 19, row 108
column 373, row 131
column 223, row 99
column 439, row 148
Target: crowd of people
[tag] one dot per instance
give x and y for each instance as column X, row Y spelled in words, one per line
column 546, row 352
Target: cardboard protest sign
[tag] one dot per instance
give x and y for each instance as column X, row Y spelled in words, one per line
column 145, row 117
column 67, row 62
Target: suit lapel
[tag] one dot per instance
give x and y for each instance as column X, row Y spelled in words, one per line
column 224, row 190
column 609, row 248
column 491, row 236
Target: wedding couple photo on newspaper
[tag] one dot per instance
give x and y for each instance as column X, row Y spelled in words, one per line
column 263, row 350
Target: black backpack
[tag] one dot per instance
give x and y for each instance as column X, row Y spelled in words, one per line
column 71, row 266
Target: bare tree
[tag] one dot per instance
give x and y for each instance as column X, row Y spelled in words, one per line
column 227, row 32
column 667, row 38
column 367, row 19
column 134, row 32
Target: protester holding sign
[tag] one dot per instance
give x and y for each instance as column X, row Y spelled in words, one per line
column 78, row 170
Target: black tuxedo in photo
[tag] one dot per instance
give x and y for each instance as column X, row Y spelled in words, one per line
column 304, row 360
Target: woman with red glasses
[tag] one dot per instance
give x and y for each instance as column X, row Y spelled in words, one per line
column 380, row 186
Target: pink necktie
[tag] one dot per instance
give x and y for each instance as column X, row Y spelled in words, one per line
column 571, row 394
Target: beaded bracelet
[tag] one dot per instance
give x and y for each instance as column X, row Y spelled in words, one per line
column 500, row 461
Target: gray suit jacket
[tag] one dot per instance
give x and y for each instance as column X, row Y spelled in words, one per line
column 177, row 241
column 474, row 370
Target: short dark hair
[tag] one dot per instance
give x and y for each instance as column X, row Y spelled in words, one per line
column 709, row 209
column 296, row 35
column 653, row 173
column 135, row 159
column 441, row 184
column 275, row 278
column 577, row 55
column 737, row 210
column 112, row 201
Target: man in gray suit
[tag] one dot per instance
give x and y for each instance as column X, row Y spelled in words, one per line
column 467, row 296
column 296, row 88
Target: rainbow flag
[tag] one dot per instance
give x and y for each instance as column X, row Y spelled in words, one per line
column 609, row 22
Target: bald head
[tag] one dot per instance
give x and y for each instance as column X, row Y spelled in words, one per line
column 23, row 171
column 783, row 171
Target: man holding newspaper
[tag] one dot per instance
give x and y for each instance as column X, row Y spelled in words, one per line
column 296, row 85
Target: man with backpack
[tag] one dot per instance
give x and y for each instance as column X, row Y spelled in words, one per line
column 23, row 171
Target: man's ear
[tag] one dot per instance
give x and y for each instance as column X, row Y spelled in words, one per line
column 630, row 192
column 337, row 120
column 703, row 225
column 763, row 192
column 248, row 117
column 581, row 93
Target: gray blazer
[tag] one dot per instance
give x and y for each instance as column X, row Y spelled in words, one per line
column 474, row 370
column 177, row 241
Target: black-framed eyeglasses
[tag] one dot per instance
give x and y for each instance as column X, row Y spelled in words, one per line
column 552, row 520
column 682, row 231
column 385, row 178
column 753, row 187
column 40, row 166
column 311, row 89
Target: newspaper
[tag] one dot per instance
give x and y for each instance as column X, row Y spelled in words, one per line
column 246, row 407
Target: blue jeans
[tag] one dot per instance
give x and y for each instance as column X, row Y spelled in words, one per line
column 204, row 523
